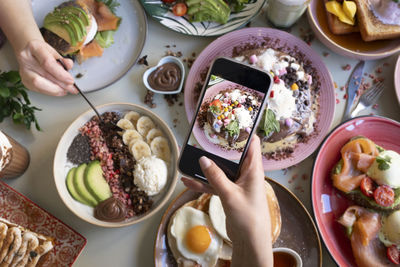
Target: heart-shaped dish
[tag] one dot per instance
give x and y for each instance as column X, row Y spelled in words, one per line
column 164, row 60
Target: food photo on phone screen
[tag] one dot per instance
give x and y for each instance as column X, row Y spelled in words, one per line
column 227, row 113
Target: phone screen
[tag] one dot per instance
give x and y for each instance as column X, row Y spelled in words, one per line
column 228, row 111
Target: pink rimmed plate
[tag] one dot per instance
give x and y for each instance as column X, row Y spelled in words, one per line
column 328, row 203
column 199, row 133
column 225, row 45
column 20, row 210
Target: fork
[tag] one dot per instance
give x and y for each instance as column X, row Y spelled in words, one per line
column 368, row 98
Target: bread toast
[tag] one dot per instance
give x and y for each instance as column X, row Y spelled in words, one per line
column 21, row 247
column 338, row 27
column 372, row 28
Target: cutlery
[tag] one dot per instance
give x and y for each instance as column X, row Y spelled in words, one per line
column 352, row 87
column 368, row 98
column 107, row 125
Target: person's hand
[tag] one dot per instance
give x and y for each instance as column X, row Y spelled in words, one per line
column 41, row 72
column 245, row 205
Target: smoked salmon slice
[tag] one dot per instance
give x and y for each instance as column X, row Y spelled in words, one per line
column 357, row 156
column 105, row 19
column 93, row 49
column 368, row 250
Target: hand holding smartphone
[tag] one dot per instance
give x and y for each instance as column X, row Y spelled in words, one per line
column 229, row 108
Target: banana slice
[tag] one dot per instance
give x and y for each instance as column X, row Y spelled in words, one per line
column 160, row 148
column 131, row 135
column 153, row 133
column 125, row 124
column 132, row 116
column 140, row 149
column 144, row 125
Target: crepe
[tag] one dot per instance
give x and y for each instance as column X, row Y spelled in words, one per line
column 20, row 246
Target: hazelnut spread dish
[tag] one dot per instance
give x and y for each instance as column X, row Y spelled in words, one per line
column 166, row 77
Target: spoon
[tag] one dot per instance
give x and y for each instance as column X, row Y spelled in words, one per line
column 108, row 125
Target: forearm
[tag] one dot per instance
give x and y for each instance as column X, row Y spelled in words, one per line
column 253, row 253
column 18, row 23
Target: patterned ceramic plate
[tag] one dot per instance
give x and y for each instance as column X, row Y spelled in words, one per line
column 20, row 210
column 298, row 230
column 328, row 203
column 162, row 13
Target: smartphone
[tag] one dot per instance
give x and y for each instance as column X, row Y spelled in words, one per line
column 229, row 108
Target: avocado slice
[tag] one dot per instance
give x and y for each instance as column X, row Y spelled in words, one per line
column 79, row 12
column 95, row 181
column 80, row 186
column 62, row 30
column 71, row 188
column 68, row 23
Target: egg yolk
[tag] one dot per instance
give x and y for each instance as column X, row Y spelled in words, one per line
column 198, row 238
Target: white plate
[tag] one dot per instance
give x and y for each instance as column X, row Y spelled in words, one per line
column 62, row 166
column 100, row 72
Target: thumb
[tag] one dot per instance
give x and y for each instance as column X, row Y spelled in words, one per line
column 216, row 177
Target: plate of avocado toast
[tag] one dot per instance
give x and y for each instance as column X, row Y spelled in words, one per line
column 103, row 37
column 203, row 17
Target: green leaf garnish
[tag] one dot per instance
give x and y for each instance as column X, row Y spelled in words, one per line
column 269, row 123
column 233, row 128
column 215, row 109
column 105, row 38
column 380, row 149
column 14, row 100
column 338, row 167
column 383, row 162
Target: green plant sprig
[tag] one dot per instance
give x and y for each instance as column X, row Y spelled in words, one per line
column 14, row 101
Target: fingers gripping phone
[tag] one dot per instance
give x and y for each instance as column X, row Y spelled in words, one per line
column 229, row 108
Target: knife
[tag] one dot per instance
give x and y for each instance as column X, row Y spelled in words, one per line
column 352, row 86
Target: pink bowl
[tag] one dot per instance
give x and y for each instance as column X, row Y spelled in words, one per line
column 328, row 203
column 349, row 45
column 224, row 46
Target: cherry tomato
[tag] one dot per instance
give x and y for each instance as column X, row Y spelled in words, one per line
column 393, row 254
column 179, row 9
column 168, row 1
column 384, row 195
column 367, row 187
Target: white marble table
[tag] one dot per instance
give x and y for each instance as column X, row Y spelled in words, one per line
column 133, row 245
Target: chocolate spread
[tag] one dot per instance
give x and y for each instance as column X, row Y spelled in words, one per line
column 166, row 77
column 110, row 210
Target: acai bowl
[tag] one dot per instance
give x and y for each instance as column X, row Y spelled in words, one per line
column 127, row 170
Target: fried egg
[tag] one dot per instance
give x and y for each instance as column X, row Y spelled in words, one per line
column 195, row 236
